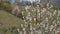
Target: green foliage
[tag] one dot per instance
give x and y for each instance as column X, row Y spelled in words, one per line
column 5, row 6
column 55, row 8
column 8, row 8
column 11, row 30
column 1, row 5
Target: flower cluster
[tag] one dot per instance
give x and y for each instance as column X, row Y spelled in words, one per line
column 40, row 20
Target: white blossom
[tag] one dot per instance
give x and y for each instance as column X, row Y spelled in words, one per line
column 23, row 29
column 48, row 5
column 30, row 18
column 55, row 12
column 34, row 28
column 37, row 5
column 40, row 32
column 37, row 23
column 51, row 6
column 23, row 17
column 34, row 19
column 38, row 14
column 46, row 19
column 21, row 25
column 27, row 17
column 22, row 12
column 51, row 27
column 32, row 32
column 32, row 10
column 45, row 24
column 24, row 32
column 38, row 10
column 31, row 27
column 26, row 7
column 18, row 30
column 58, row 21
column 43, row 10
column 28, row 13
column 59, row 13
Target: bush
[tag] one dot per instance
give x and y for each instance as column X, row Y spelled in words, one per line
column 8, row 8
column 5, row 6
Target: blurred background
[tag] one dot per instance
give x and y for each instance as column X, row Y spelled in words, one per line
column 29, row 16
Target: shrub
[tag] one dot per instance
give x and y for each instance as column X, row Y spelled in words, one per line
column 8, row 8
column 5, row 6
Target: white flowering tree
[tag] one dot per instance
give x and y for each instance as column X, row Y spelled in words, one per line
column 40, row 20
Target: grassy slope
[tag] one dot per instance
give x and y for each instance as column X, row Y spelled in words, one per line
column 8, row 21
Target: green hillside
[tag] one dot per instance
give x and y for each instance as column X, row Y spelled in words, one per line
column 8, row 22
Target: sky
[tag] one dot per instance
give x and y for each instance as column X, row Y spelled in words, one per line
column 56, row 3
column 12, row 1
